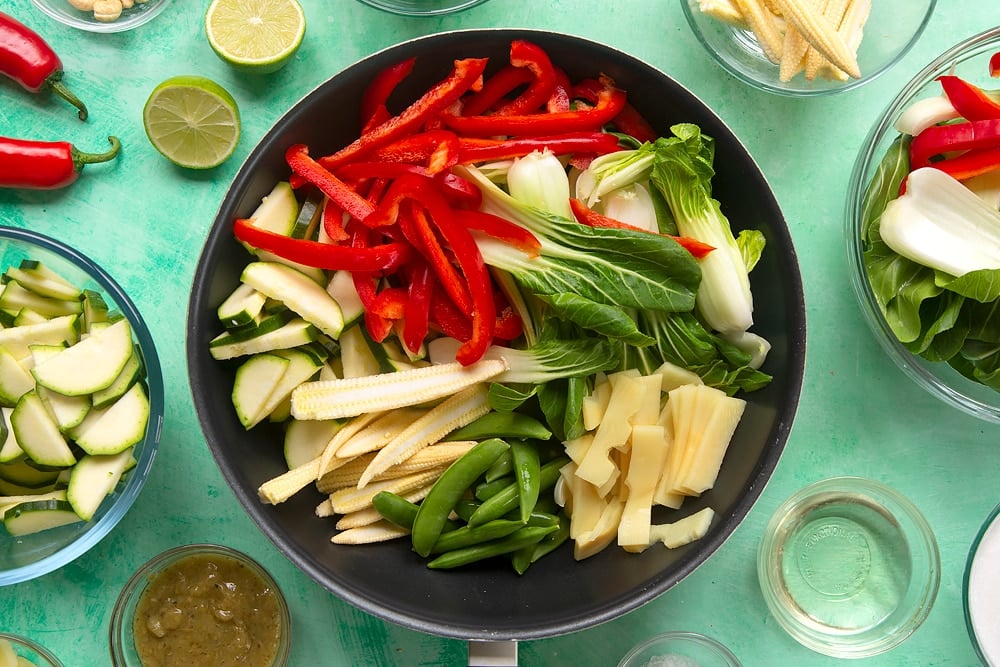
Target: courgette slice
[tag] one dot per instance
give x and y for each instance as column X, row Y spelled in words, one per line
column 255, row 381
column 357, row 358
column 95, row 308
column 15, row 381
column 6, row 502
column 120, row 425
column 241, row 308
column 297, row 291
column 20, row 473
column 9, row 449
column 44, row 283
column 56, row 331
column 92, row 479
column 68, row 411
column 36, row 516
column 305, row 439
column 38, row 434
column 90, row 365
column 302, row 366
column 28, row 316
column 341, row 288
column 294, row 333
column 129, row 375
column 15, row 297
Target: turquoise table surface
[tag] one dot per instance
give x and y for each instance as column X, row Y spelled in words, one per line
column 145, row 221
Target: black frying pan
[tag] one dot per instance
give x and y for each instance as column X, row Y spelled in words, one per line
column 489, row 601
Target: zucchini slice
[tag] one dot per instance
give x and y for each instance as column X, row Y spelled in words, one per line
column 297, row 291
column 294, row 333
column 256, row 379
column 38, row 434
column 92, row 479
column 38, row 515
column 119, row 426
column 90, row 365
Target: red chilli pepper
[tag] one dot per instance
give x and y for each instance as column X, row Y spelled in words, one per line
column 26, row 58
column 532, row 57
column 368, row 260
column 466, row 75
column 592, row 218
column 610, row 102
column 373, row 100
column 45, row 165
column 940, row 139
column 347, row 199
column 474, row 150
column 970, row 101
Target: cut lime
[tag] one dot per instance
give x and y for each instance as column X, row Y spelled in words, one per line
column 193, row 121
column 257, row 35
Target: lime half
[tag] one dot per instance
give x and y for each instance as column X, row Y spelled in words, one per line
column 257, row 35
column 193, row 121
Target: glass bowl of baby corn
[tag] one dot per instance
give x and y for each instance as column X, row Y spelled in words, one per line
column 801, row 48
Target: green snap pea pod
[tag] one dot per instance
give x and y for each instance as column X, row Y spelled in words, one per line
column 502, row 467
column 553, row 540
column 521, row 559
column 527, row 472
column 522, row 537
column 502, row 425
column 507, row 499
column 465, row 507
column 433, row 511
column 536, row 518
column 400, row 511
column 466, row 536
column 487, row 490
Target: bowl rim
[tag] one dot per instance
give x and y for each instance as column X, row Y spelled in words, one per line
column 122, row 24
column 466, row 630
column 154, row 380
column 909, row 363
column 787, row 90
column 685, row 636
column 922, row 545
column 986, row 525
column 394, row 8
column 136, row 585
column 32, row 645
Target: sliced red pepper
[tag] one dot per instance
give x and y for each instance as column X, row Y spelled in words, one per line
column 420, row 291
column 333, row 222
column 592, row 218
column 995, row 64
column 461, row 192
column 475, row 150
column 509, row 324
column 609, row 104
column 969, row 164
column 339, row 192
column 629, row 121
column 502, row 229
column 970, row 101
column 532, row 57
column 466, row 75
column 357, row 171
column 495, row 88
column 559, row 100
column 390, row 303
column 448, row 319
column 940, row 139
column 436, row 149
column 373, row 100
column 365, row 283
column 374, row 259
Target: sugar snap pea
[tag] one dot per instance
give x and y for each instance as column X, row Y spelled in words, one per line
column 525, row 556
column 466, row 536
column 486, row 490
column 433, row 511
column 507, row 499
column 465, row 507
column 503, row 466
column 522, row 537
column 527, row 473
column 504, row 425
column 400, row 511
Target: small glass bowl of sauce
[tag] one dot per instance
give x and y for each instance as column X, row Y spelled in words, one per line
column 849, row 567
column 26, row 652
column 200, row 604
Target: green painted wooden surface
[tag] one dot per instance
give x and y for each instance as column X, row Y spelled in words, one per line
column 145, row 221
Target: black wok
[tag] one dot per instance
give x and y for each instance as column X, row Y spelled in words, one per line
column 489, row 601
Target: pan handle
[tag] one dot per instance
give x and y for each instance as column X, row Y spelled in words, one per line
column 492, row 653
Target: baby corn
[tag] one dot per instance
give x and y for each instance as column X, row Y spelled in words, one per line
column 820, row 34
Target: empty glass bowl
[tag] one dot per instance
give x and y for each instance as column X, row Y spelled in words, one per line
column 30, row 556
column 891, row 29
column 131, row 17
column 422, row 7
column 969, row 60
column 849, row 567
column 679, row 649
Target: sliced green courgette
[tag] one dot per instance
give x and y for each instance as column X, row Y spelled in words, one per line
column 38, row 434
column 44, row 283
column 255, row 381
column 341, row 288
column 58, row 330
column 95, row 308
column 356, row 357
column 119, row 426
column 9, row 449
column 15, row 381
column 128, row 376
column 68, row 411
column 298, row 292
column 294, row 333
column 28, row 316
column 6, row 502
column 15, row 297
column 22, row 474
column 90, row 365
column 242, row 307
column 92, row 479
column 305, row 439
column 36, row 516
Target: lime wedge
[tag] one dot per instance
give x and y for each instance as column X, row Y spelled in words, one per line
column 193, row 121
column 256, row 35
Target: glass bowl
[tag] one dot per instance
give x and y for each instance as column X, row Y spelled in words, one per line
column 29, row 650
column 133, row 17
column 892, row 28
column 981, row 590
column 848, row 567
column 422, row 7
column 968, row 60
column 34, row 555
column 680, row 649
column 197, row 592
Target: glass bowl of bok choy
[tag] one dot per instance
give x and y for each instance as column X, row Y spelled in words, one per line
column 923, row 227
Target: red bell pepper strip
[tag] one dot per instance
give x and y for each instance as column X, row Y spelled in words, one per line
column 473, row 150
column 495, row 88
column 347, row 199
column 357, row 171
column 559, row 100
column 466, row 75
column 333, row 222
column 390, row 303
column 629, row 121
column 28, row 59
column 532, row 57
column 45, row 165
column 609, row 104
column 448, row 319
column 509, row 324
column 940, row 139
column 375, row 259
column 969, row 164
column 970, row 101
column 437, row 149
column 995, row 65
column 420, row 291
column 376, row 95
column 461, row 192
column 592, row 218
column 501, row 229
column 365, row 283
